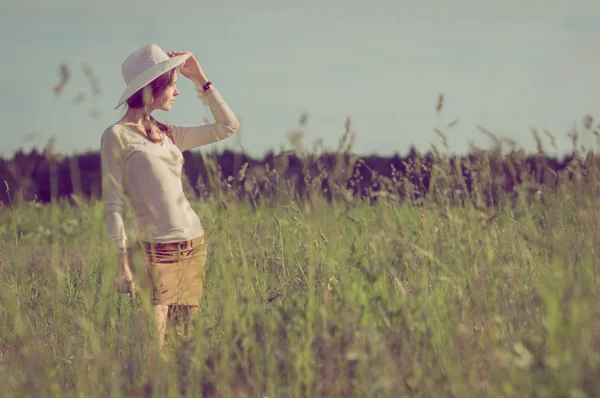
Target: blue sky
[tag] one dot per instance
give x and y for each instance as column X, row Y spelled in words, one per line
column 507, row 66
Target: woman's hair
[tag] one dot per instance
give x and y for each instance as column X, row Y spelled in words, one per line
column 144, row 97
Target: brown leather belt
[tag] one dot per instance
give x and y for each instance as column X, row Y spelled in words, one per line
column 182, row 245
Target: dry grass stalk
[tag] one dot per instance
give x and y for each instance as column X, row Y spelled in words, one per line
column 64, row 78
column 443, row 136
column 552, row 138
column 538, row 141
column 440, row 103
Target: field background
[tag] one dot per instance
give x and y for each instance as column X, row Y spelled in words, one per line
column 456, row 286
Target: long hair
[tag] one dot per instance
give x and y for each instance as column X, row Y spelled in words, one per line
column 144, row 97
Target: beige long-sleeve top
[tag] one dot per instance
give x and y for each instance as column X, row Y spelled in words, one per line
column 148, row 175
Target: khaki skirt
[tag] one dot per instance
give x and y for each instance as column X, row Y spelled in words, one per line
column 175, row 271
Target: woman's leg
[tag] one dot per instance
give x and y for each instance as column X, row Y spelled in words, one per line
column 181, row 317
column 192, row 313
column 160, row 322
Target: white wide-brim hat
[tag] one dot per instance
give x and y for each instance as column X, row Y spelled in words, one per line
column 143, row 66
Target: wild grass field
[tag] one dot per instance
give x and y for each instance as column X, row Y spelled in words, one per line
column 436, row 297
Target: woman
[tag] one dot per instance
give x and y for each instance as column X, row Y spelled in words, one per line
column 142, row 162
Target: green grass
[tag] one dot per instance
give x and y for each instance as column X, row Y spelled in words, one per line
column 314, row 299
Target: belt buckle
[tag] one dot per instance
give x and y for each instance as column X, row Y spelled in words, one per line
column 185, row 245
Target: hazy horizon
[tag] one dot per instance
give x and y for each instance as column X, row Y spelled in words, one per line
column 507, row 67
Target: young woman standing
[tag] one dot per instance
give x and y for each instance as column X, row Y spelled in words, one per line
column 142, row 163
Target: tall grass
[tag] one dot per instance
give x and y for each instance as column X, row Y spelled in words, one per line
column 445, row 295
column 468, row 291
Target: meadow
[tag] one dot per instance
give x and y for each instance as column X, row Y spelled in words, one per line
column 444, row 295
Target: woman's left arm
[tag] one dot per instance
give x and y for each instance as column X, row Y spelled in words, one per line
column 225, row 125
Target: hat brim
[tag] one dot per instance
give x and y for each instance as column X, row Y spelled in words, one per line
column 150, row 74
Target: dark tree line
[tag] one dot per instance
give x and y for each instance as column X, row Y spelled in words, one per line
column 44, row 176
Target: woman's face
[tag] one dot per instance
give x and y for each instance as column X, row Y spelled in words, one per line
column 165, row 101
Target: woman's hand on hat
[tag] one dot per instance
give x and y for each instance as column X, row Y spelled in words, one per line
column 190, row 68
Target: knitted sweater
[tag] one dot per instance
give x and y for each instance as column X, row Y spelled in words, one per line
column 148, row 176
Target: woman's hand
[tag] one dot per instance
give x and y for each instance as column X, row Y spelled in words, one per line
column 126, row 285
column 190, row 68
